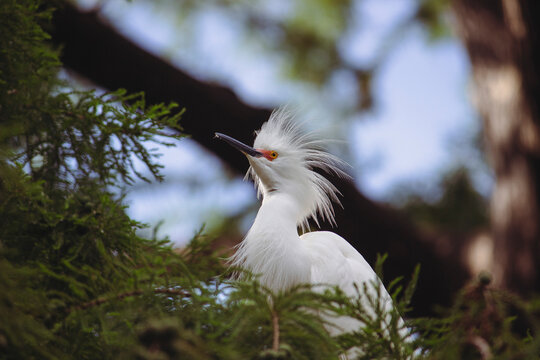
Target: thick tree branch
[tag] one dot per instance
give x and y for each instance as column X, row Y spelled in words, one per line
column 98, row 52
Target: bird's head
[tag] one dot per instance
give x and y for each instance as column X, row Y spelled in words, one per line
column 283, row 160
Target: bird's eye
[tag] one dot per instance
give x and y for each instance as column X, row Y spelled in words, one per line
column 270, row 155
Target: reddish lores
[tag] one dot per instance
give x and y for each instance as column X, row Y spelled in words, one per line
column 269, row 154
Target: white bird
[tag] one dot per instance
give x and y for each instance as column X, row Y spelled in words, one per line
column 282, row 161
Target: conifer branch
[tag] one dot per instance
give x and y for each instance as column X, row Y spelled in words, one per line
column 123, row 295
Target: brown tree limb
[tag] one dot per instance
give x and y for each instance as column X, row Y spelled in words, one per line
column 98, row 52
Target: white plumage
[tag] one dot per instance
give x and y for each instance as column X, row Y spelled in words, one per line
column 282, row 162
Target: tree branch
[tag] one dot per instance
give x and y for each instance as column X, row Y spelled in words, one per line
column 275, row 327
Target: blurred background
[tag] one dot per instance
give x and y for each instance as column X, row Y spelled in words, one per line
column 392, row 80
column 403, row 132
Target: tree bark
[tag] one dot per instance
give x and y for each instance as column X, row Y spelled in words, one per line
column 96, row 51
column 501, row 37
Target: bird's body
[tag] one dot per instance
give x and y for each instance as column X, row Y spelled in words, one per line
column 273, row 249
column 282, row 163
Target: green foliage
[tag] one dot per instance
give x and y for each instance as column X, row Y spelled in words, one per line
column 307, row 38
column 22, row 315
column 484, row 323
column 460, row 208
column 433, row 15
column 287, row 324
column 241, row 319
column 81, row 137
column 65, row 238
column 304, row 32
column 26, row 64
column 78, row 282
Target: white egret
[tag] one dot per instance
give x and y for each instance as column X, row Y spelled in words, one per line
column 282, row 161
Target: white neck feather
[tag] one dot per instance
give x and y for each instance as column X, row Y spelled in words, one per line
column 272, row 247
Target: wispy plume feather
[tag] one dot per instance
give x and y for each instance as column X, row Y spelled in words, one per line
column 305, row 152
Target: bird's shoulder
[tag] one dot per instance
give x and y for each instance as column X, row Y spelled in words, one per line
column 335, row 261
column 330, row 244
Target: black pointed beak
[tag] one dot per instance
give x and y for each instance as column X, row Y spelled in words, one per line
column 247, row 150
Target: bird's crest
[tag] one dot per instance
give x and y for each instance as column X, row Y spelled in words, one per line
column 306, row 152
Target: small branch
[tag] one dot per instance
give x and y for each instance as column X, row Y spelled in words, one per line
column 275, row 324
column 120, row 296
column 482, row 346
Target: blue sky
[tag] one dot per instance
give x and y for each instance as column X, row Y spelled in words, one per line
column 423, row 108
column 417, row 130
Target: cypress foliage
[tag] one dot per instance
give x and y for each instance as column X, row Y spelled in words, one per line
column 78, row 282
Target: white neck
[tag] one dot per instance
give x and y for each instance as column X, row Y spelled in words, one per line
column 272, row 247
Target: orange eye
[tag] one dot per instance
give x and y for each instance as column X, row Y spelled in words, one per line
column 269, row 154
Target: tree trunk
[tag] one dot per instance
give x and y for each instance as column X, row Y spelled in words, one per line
column 501, row 37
